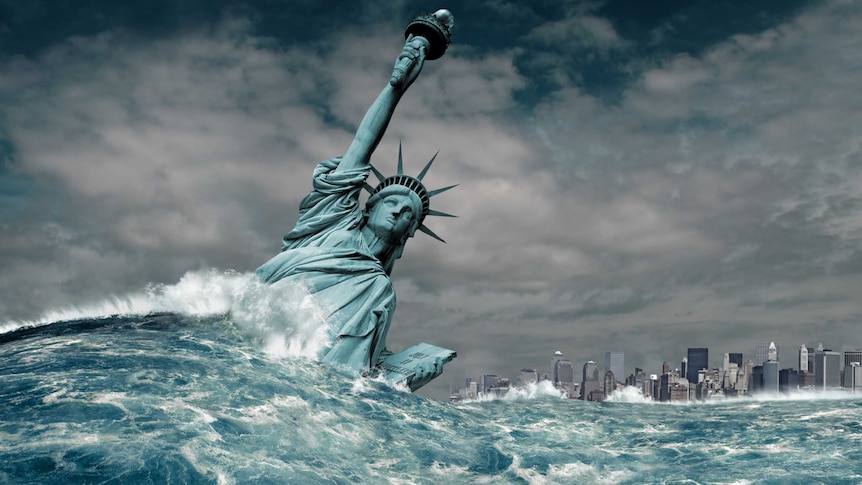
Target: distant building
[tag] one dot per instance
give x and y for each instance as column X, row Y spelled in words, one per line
column 770, row 377
column 683, row 367
column 803, row 358
column 650, row 387
column 698, row 358
column 665, row 367
column 528, row 376
column 827, row 369
column 743, row 380
column 755, row 380
column 735, row 358
column 566, row 378
column 762, row 352
column 636, row 379
column 615, row 362
column 610, row 383
column 489, row 381
column 501, row 387
column 772, row 352
column 471, row 389
column 590, row 380
column 853, row 377
column 558, row 356
column 708, row 385
column 730, row 378
column 851, row 356
column 789, row 380
column 673, row 387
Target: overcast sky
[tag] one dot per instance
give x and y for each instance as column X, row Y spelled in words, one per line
column 634, row 176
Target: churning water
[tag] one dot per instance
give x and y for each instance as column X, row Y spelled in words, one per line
column 215, row 385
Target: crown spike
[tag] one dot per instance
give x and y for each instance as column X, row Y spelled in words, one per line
column 380, row 177
column 400, row 161
column 432, row 193
column 432, row 212
column 430, row 233
column 427, row 166
column 368, row 188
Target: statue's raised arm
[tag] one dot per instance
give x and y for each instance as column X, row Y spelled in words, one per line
column 344, row 255
column 377, row 117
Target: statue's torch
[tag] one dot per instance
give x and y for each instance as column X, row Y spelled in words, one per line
column 434, row 31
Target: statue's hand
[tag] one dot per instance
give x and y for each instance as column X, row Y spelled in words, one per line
column 409, row 63
column 425, row 375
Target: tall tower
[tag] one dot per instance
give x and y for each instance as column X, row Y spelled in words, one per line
column 853, row 377
column 770, row 377
column 610, row 383
column 566, row 377
column 760, row 351
column 558, row 356
column 615, row 362
column 851, row 356
column 698, row 359
column 590, row 381
column 772, row 353
column 803, row 358
column 827, row 369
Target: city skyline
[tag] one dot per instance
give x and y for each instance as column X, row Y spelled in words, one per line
column 768, row 377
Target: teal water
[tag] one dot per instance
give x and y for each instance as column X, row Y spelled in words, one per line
column 179, row 398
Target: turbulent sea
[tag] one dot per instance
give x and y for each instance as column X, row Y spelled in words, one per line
column 210, row 381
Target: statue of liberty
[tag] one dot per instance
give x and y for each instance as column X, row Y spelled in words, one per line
column 344, row 255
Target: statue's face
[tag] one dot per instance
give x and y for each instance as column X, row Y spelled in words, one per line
column 392, row 217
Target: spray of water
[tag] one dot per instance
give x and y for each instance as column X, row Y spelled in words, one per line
column 283, row 317
column 533, row 390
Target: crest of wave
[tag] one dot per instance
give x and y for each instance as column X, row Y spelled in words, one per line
column 533, row 390
column 628, row 394
column 285, row 318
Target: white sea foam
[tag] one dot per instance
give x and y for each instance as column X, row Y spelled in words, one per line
column 629, row 394
column 533, row 390
column 284, row 317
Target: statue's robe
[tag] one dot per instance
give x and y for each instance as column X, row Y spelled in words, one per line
column 326, row 253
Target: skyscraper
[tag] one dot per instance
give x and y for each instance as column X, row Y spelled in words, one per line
column 565, row 377
column 528, row 376
column 803, row 358
column 761, row 352
column 590, row 381
column 610, row 383
column 736, row 358
column 827, row 369
column 558, row 356
column 772, row 352
column 770, row 377
column 489, row 381
column 851, row 356
column 853, row 377
column 615, row 362
column 698, row 358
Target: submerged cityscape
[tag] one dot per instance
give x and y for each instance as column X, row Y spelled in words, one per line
column 817, row 370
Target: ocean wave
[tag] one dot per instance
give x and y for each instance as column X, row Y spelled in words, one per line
column 287, row 320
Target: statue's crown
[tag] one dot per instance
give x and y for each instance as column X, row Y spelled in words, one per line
column 415, row 185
